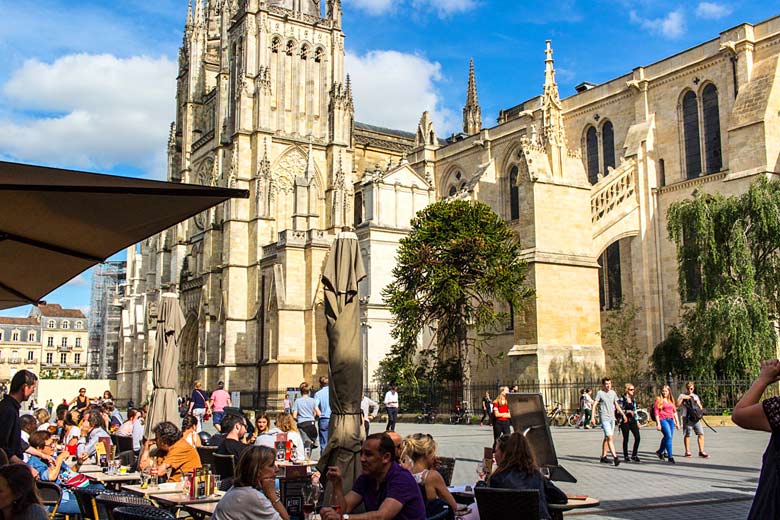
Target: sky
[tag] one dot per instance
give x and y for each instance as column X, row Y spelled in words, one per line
column 90, row 84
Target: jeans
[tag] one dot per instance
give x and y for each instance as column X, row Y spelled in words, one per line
column 366, row 425
column 323, row 423
column 392, row 416
column 667, row 428
column 199, row 413
column 633, row 427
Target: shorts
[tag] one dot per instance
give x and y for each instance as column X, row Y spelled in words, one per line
column 608, row 426
column 689, row 427
column 217, row 417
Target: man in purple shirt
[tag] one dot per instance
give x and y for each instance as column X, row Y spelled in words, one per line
column 385, row 488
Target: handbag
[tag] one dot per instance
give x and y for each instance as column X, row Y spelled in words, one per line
column 78, row 480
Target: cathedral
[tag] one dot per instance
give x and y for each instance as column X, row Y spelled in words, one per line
column 263, row 103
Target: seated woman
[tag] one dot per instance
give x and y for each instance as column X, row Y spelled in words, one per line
column 286, row 424
column 189, row 430
column 420, row 449
column 516, row 469
column 753, row 414
column 19, row 498
column 253, row 495
column 262, row 427
column 58, row 472
column 70, row 431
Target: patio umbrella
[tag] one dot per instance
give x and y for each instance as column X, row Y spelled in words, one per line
column 55, row 223
column 343, row 270
column 165, row 376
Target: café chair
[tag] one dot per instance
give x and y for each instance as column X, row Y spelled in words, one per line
column 85, row 497
column 224, row 465
column 124, row 443
column 126, row 457
column 493, row 504
column 110, row 501
column 206, row 454
column 446, row 467
column 50, row 494
column 142, row 513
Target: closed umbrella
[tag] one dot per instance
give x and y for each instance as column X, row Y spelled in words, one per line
column 343, row 270
column 165, row 375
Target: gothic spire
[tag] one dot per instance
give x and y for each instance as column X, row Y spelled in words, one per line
column 472, row 113
column 553, row 135
column 550, row 87
column 348, row 93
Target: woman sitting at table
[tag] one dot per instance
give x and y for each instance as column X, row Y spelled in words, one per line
column 253, row 495
column 71, row 431
column 420, row 448
column 286, row 424
column 262, row 427
column 58, row 472
column 19, row 498
column 517, row 469
column 189, row 430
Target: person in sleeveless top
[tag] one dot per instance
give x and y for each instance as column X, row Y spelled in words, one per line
column 189, row 431
column 420, row 449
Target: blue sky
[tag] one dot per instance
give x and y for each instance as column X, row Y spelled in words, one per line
column 91, row 84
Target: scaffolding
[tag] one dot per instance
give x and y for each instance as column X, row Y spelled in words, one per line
column 108, row 285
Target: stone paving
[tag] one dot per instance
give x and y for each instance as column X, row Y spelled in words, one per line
column 719, row 487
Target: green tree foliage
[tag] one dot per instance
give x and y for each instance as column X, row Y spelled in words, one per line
column 625, row 360
column 734, row 243
column 459, row 259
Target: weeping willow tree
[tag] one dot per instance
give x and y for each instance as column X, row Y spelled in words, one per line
column 457, row 269
column 729, row 267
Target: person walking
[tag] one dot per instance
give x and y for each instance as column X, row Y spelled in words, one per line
column 487, row 409
column 368, row 409
column 606, row 401
column 322, row 410
column 199, row 404
column 689, row 404
column 666, row 417
column 501, row 415
column 628, row 404
column 391, row 404
column 220, row 398
column 287, row 405
column 586, row 408
column 304, row 413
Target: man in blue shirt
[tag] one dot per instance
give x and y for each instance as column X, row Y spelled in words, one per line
column 322, row 410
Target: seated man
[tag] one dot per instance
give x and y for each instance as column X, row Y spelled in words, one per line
column 173, row 451
column 386, row 489
column 92, row 430
column 234, row 428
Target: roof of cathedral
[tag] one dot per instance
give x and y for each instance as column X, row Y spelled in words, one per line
column 383, row 130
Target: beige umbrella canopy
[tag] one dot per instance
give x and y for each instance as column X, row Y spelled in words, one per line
column 165, row 370
column 343, row 270
column 56, row 223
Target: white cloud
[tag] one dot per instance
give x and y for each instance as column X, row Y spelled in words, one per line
column 712, row 10
column 88, row 110
column 372, row 7
column 445, row 8
column 671, row 26
column 393, row 89
column 78, row 281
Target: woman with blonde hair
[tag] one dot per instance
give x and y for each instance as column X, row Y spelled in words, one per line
column 420, row 449
column 501, row 414
column 666, row 418
column 42, row 416
column 286, row 423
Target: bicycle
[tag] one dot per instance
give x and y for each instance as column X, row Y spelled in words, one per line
column 461, row 414
column 428, row 415
column 556, row 416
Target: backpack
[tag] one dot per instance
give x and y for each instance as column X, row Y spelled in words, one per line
column 694, row 411
column 652, row 413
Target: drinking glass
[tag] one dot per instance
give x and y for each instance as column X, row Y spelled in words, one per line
column 217, row 482
column 186, row 481
column 308, row 499
column 480, row 469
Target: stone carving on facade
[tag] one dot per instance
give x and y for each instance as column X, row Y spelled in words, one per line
column 263, row 184
column 426, row 135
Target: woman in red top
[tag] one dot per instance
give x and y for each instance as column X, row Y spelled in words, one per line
column 501, row 414
column 666, row 417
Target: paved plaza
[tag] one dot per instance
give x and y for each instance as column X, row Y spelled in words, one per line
column 719, row 487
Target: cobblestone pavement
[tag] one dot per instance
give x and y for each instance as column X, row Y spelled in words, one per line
column 720, row 487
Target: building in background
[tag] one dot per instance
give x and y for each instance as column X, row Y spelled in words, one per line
column 105, row 312
column 63, row 339
column 20, row 346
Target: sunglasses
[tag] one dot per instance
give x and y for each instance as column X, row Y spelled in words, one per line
column 631, row 389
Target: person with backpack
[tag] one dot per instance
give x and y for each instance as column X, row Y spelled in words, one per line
column 692, row 413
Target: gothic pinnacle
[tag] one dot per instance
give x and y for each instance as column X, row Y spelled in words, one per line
column 472, row 113
column 471, row 94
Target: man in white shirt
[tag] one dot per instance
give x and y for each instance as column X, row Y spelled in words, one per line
column 391, row 403
column 369, row 409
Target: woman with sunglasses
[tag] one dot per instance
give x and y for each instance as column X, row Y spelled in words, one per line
column 628, row 404
column 81, row 401
column 420, row 448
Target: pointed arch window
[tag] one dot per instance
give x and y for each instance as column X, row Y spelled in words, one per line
column 711, row 117
column 514, row 194
column 592, row 154
column 610, row 283
column 690, row 117
column 608, row 145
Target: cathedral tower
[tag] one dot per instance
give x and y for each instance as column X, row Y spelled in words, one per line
column 472, row 113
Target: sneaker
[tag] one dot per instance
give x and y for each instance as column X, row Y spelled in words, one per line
column 626, row 459
column 603, row 460
column 616, row 462
column 635, row 459
column 688, row 454
column 661, row 455
column 671, row 460
column 704, row 455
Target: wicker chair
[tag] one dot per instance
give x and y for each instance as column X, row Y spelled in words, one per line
column 494, row 504
column 142, row 513
column 446, row 466
column 110, row 501
column 51, row 494
column 85, row 497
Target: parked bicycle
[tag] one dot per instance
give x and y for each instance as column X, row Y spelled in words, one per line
column 461, row 414
column 428, row 414
column 556, row 416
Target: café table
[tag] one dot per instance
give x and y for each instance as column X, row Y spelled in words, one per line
column 201, row 510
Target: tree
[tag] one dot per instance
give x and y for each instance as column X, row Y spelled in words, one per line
column 458, row 262
column 625, row 360
column 733, row 245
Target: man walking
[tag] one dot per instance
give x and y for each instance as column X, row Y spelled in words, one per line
column 691, row 423
column 322, row 402
column 391, row 403
column 606, row 401
column 368, row 409
column 219, row 400
column 22, row 387
column 303, row 411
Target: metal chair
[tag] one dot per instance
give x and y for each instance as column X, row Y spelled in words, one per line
column 85, row 496
column 446, row 467
column 110, row 501
column 124, row 443
column 206, row 454
column 51, row 494
column 224, row 465
column 142, row 513
column 494, row 504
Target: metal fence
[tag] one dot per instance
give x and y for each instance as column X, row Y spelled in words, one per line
column 718, row 396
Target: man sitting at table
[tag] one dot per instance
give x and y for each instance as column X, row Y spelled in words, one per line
column 234, row 428
column 173, row 451
column 386, row 489
column 91, row 434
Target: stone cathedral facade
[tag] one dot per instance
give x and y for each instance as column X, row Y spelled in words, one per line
column 264, row 104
